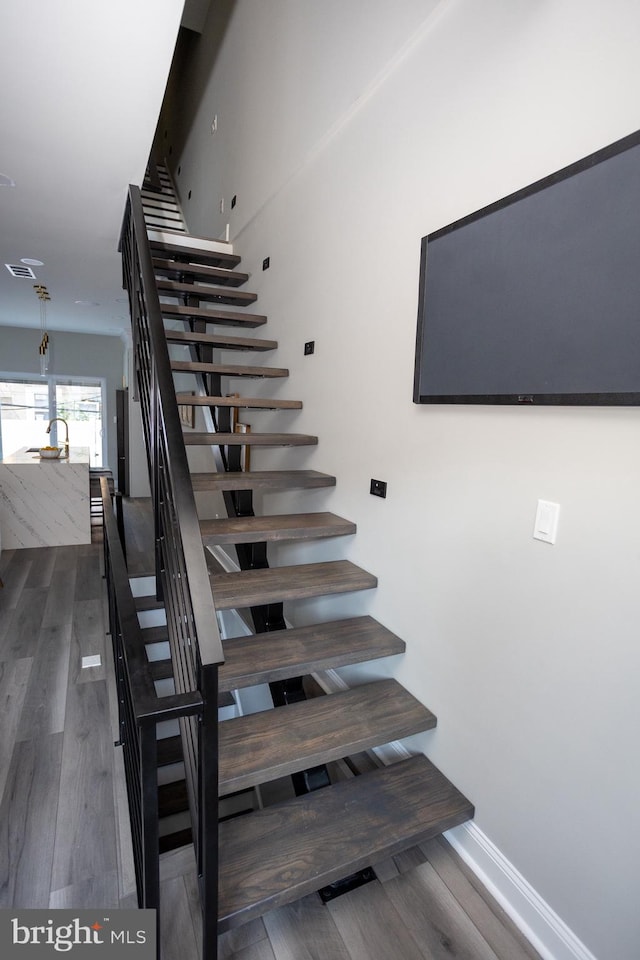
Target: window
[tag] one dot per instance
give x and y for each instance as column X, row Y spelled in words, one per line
column 27, row 405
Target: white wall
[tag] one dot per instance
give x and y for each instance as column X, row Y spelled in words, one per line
column 347, row 132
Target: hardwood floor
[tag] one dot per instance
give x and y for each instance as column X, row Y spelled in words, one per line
column 63, row 822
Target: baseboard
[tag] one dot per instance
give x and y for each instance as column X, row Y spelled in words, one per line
column 533, row 916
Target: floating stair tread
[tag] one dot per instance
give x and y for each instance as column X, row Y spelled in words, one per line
column 169, row 751
column 191, row 251
column 175, row 288
column 172, row 798
column 228, row 369
column 276, row 743
column 249, row 588
column 220, row 340
column 177, row 270
column 261, row 480
column 266, row 658
column 224, row 317
column 251, row 403
column 279, row 854
column 250, row 439
column 296, row 526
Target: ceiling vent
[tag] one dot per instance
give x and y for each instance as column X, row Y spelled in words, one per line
column 20, row 270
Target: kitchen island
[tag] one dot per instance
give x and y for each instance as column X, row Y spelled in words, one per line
column 44, row 503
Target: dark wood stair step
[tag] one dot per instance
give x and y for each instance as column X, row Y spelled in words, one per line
column 276, row 743
column 220, row 340
column 224, row 317
column 173, row 288
column 176, row 270
column 192, row 253
column 172, row 798
column 250, row 588
column 262, row 480
column 298, row 526
column 266, row 658
column 279, row 854
column 228, row 369
column 250, row 403
column 169, row 751
column 249, row 439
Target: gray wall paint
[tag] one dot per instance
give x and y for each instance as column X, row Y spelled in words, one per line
column 71, row 355
column 347, row 132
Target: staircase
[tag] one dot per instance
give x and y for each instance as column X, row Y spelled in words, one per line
column 277, row 854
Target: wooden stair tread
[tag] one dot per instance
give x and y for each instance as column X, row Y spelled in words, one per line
column 228, row 369
column 169, row 751
column 297, row 526
column 275, row 743
column 279, row 854
column 253, row 403
column 172, row 798
column 174, row 288
column 220, row 340
column 192, row 253
column 265, row 658
column 249, row 588
column 176, row 269
column 249, row 439
column 261, row 480
column 225, row 317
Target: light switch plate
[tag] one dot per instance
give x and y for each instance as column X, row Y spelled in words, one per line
column 546, row 525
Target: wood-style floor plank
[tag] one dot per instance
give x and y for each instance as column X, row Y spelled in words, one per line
column 488, row 916
column 45, row 699
column 100, row 891
column 14, row 677
column 22, row 624
column 371, row 928
column 305, row 930
column 176, row 924
column 86, row 791
column 28, row 810
column 87, row 639
column 434, row 917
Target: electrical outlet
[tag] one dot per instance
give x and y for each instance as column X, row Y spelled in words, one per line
column 378, row 488
column 266, row 263
column 309, row 347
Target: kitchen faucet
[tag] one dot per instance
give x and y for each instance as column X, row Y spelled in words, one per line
column 66, row 439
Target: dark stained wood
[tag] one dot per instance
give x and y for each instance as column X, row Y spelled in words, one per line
column 261, row 480
column 211, row 315
column 250, row 588
column 296, row 526
column 172, row 798
column 228, row 369
column 287, row 851
column 169, row 751
column 254, row 403
column 195, row 254
column 276, row 743
column 224, row 342
column 194, row 271
column 230, row 295
column 251, row 439
column 290, row 653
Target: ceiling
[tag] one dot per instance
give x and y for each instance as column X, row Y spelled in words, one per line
column 81, row 89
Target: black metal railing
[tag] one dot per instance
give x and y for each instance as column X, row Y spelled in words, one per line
column 139, row 711
column 182, row 578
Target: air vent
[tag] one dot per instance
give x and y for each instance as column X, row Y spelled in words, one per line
column 19, row 270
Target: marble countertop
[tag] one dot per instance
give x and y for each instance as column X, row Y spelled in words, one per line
column 26, row 455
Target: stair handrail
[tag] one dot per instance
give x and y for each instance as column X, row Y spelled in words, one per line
column 182, row 576
column 139, row 711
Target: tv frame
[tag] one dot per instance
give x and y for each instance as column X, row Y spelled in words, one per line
column 524, row 399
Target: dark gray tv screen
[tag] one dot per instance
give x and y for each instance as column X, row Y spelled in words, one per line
column 535, row 299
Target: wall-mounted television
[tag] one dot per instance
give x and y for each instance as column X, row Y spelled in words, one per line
column 535, row 299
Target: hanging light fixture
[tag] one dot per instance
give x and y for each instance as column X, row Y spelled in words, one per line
column 43, row 296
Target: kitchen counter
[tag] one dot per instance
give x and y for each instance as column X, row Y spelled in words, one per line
column 44, row 503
